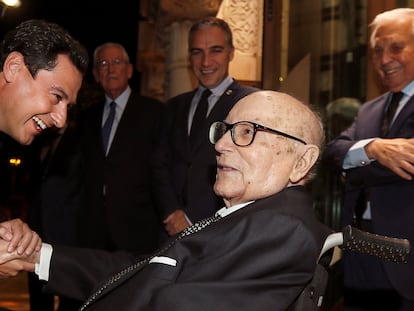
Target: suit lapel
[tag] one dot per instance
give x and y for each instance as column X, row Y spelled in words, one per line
column 182, row 115
column 401, row 119
column 369, row 121
column 115, row 281
column 125, row 274
column 225, row 103
column 94, row 122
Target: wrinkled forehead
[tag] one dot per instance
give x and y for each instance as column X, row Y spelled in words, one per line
column 266, row 108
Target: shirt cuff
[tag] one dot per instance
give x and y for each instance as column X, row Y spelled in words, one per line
column 42, row 268
column 188, row 219
column 356, row 155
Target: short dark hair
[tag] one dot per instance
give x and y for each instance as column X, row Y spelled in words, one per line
column 40, row 42
column 209, row 22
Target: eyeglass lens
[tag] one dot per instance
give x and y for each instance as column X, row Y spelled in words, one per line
column 217, row 130
column 105, row 63
column 242, row 133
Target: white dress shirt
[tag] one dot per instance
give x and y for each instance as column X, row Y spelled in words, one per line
column 121, row 102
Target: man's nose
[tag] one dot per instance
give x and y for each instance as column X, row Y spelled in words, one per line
column 225, row 142
column 59, row 115
column 206, row 59
column 386, row 57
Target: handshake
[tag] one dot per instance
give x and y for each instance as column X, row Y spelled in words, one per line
column 19, row 248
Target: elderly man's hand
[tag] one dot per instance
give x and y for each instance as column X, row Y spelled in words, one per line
column 176, row 222
column 397, row 154
column 19, row 237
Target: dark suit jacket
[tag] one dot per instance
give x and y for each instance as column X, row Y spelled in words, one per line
column 184, row 177
column 127, row 209
column 257, row 258
column 55, row 204
column 392, row 206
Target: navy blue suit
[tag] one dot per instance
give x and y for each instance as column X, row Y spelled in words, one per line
column 390, row 197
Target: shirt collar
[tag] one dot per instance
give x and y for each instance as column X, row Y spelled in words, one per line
column 223, row 212
column 219, row 89
column 121, row 100
column 409, row 89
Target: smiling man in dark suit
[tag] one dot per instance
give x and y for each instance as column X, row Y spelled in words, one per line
column 184, row 164
column 376, row 154
column 257, row 253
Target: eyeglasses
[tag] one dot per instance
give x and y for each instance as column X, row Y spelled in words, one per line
column 243, row 132
column 104, row 64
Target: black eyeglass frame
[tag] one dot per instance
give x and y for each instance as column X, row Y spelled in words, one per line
column 256, row 127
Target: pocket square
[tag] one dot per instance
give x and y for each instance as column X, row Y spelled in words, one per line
column 164, row 260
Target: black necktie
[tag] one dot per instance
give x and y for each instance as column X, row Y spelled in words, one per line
column 390, row 112
column 197, row 126
column 106, row 129
column 130, row 271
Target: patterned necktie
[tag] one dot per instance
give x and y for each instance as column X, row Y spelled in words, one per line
column 106, row 129
column 200, row 115
column 390, row 112
column 140, row 264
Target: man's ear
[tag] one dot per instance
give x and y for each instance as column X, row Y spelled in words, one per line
column 12, row 65
column 304, row 163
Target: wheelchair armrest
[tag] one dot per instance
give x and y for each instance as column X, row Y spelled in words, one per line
column 334, row 239
column 387, row 248
column 383, row 247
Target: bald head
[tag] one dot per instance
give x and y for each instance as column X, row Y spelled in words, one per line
column 284, row 113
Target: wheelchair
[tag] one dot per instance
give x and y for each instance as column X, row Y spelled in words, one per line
column 352, row 239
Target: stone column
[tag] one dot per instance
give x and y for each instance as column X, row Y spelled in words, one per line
column 174, row 21
column 245, row 18
column 179, row 78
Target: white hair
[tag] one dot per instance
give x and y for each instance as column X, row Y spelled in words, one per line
column 390, row 16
